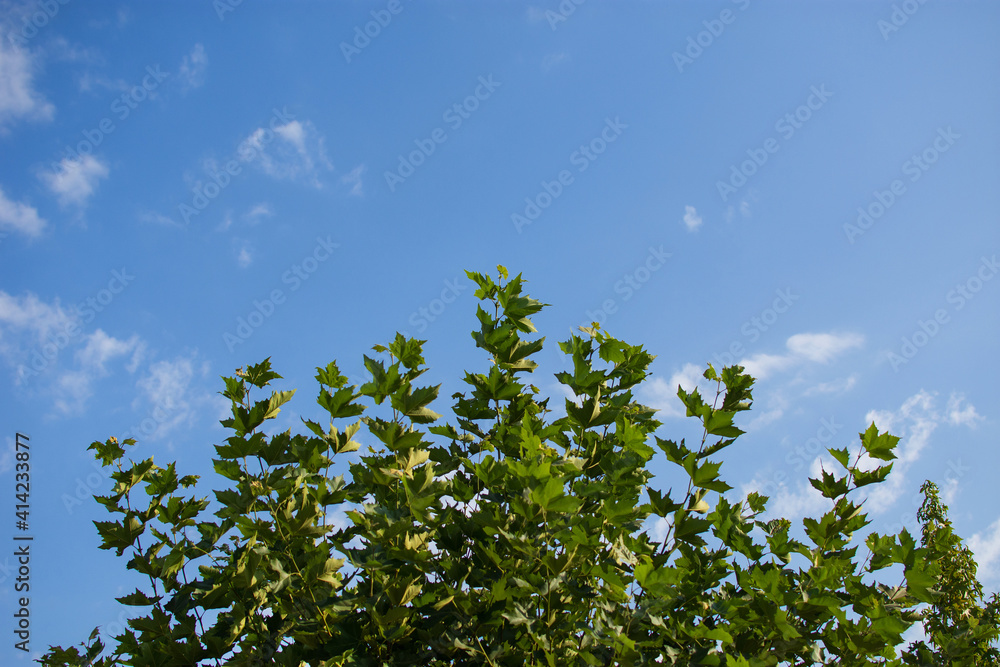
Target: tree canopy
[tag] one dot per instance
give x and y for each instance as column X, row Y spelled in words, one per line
column 509, row 536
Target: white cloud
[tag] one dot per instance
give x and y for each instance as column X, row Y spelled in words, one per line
column 244, row 258
column 34, row 335
column 743, row 207
column 822, row 347
column 73, row 387
column 914, row 423
column 337, row 519
column 986, row 547
column 691, row 218
column 762, row 365
column 957, row 415
column 19, row 217
column 89, row 81
column 294, row 152
column 7, row 459
column 75, row 180
column 258, row 211
column 793, row 502
column 804, row 347
column 662, row 394
column 353, row 179
column 158, row 219
column 121, row 19
column 833, row 387
column 18, row 97
column 294, row 133
column 29, row 313
column 192, row 70
column 168, row 395
column 777, row 406
column 61, row 49
column 101, row 347
column 656, row 528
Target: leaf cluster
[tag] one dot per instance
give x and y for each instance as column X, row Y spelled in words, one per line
column 512, row 537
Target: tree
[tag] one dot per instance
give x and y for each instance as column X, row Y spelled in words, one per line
column 961, row 631
column 510, row 537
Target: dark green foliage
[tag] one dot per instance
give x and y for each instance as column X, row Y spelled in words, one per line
column 511, row 538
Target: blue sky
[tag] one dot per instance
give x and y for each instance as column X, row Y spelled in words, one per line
column 806, row 188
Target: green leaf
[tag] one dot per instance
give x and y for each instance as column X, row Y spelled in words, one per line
column 879, row 445
column 842, row 456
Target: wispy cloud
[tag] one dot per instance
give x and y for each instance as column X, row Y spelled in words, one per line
column 914, row 423
column 691, row 218
column 986, row 547
column 958, row 414
column 169, row 396
column 74, row 387
column 19, row 217
column 296, row 153
column 100, row 348
column 841, row 386
column 158, row 219
column 18, row 97
column 191, row 73
column 662, row 394
column 797, row 500
column 802, row 348
column 243, row 255
column 30, row 317
column 257, row 212
column 74, row 181
column 352, row 179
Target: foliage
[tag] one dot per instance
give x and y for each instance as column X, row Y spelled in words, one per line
column 962, row 632
column 511, row 537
